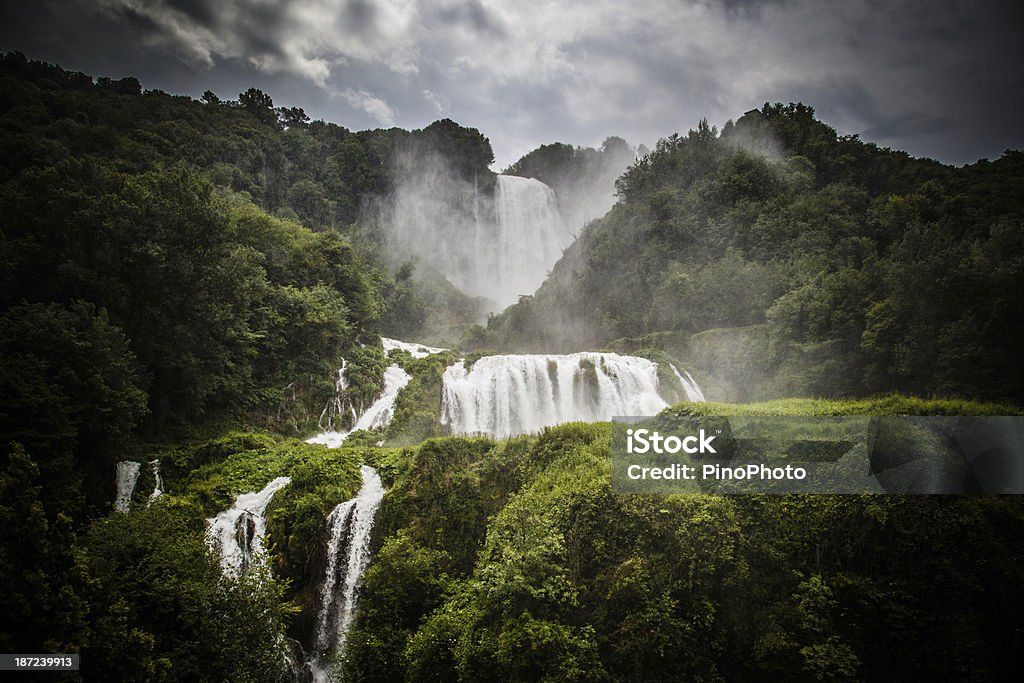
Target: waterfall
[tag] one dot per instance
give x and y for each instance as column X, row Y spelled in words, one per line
column 348, row 554
column 333, row 409
column 521, row 394
column 689, row 384
column 126, row 475
column 237, row 533
column 527, row 241
column 158, row 482
column 377, row 415
column 496, row 245
column 415, row 350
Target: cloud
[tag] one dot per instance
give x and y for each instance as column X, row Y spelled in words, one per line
column 371, row 104
column 306, row 38
column 441, row 105
column 935, row 77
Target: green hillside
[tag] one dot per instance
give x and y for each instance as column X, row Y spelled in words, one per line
column 868, row 270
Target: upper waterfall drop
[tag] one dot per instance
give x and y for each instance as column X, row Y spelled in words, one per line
column 529, row 237
column 521, row 394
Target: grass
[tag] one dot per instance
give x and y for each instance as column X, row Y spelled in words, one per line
column 893, row 404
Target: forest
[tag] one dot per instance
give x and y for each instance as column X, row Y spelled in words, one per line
column 787, row 260
column 182, row 280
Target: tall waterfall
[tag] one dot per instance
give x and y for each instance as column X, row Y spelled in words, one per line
column 126, row 475
column 237, row 533
column 522, row 394
column 348, row 554
column 496, row 244
column 527, row 240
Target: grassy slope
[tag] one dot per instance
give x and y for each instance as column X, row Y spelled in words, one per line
column 515, row 560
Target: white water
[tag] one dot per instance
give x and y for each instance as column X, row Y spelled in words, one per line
column 689, row 384
column 416, row 350
column 514, row 256
column 348, row 554
column 521, row 394
column 333, row 409
column 377, row 415
column 158, row 481
column 498, row 246
column 126, row 475
column 237, row 533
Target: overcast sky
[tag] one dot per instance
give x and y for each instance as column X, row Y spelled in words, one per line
column 937, row 78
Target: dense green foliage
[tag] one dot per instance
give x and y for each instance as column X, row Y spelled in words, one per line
column 516, row 561
column 418, row 408
column 320, row 173
column 162, row 610
column 148, row 292
column 70, row 396
column 873, row 271
column 129, row 203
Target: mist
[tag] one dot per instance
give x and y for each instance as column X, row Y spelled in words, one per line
column 432, row 217
column 494, row 236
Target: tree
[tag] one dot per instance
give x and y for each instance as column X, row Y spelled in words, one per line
column 260, row 105
column 292, row 117
column 404, row 311
column 467, row 149
column 163, row 610
column 43, row 605
column 69, row 392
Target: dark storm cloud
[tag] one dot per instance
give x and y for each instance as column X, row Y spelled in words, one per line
column 472, row 14
column 359, row 14
column 747, row 7
column 199, row 10
column 940, row 79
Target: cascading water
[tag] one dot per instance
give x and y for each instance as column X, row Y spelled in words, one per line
column 528, row 239
column 348, row 554
column 415, row 350
column 497, row 244
column 521, row 394
column 126, row 475
column 377, row 415
column 158, row 481
column 333, row 409
column 350, row 523
column 237, row 533
column 689, row 385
